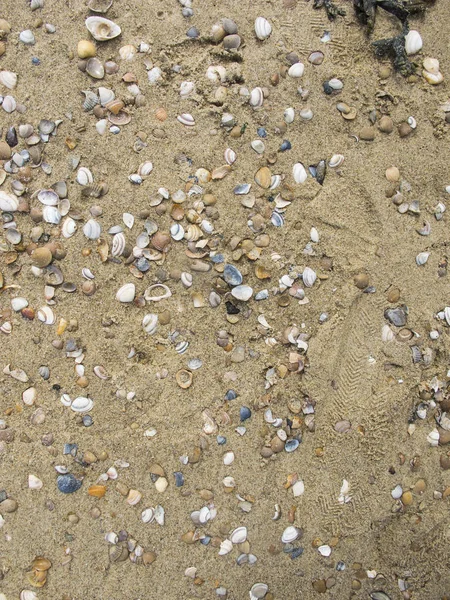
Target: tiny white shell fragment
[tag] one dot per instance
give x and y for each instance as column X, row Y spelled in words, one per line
column 29, row 396
column 154, row 75
column 324, row 550
column 397, row 492
column 34, row 483
column 289, row 115
column 256, row 97
column 225, row 547
column 17, row 304
column 314, row 235
column 336, row 161
column 186, row 88
column 128, row 220
column 422, row 258
column 229, row 156
column 433, row 437
column 298, row 488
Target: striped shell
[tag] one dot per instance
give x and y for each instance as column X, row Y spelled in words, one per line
column 263, row 28
column 68, row 227
column 186, row 119
column 150, row 323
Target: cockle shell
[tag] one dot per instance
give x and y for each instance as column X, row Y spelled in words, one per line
column 102, row 29
column 256, row 97
column 145, row 168
column 82, row 404
column 118, row 244
column 8, row 202
column 126, row 293
column 263, row 28
column 186, row 119
column 299, row 173
column 296, row 70
column 309, row 277
column 413, row 42
column 92, row 229
column 8, row 79
column 9, row 105
column 258, row 591
column 150, row 323
column 68, row 227
column 26, row 37
column 84, row 176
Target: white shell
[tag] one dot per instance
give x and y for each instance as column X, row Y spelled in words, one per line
column 422, row 258
column 296, row 70
column 298, row 489
column 27, row 37
column 106, row 95
column 29, row 396
column 82, row 404
column 186, row 88
column 46, row 315
column 68, row 227
column 239, row 535
column 9, row 105
column 51, row 214
column 8, row 202
column 154, row 75
column 177, row 232
column 186, row 279
column 289, row 115
column 48, row 197
column 299, row 173
column 17, row 304
column 92, row 229
column 314, row 235
column 127, row 52
column 101, row 126
column 324, row 550
column 242, row 292
column 34, row 483
column 229, row 156
column 150, row 323
column 102, row 29
column 335, row 84
column 228, row 458
column 306, row 114
column 258, row 591
column 258, row 146
column 309, row 276
column 290, row 534
column 128, row 220
column 336, row 161
column 256, row 97
column 84, row 176
column 225, row 547
column 387, row 335
column 186, row 119
column 126, row 293
column 413, row 42
column 28, row 595
column 216, row 73
column 145, row 168
column 148, row 296
column 148, row 515
column 118, row 244
column 262, row 28
column 8, row 79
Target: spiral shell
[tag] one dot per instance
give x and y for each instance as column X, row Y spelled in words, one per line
column 102, row 29
column 263, row 28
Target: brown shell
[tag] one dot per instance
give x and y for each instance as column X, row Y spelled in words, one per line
column 161, row 114
column 41, row 564
column 37, row 578
column 97, row 491
column 122, row 118
column 177, row 212
column 160, row 240
column 114, row 106
column 184, row 378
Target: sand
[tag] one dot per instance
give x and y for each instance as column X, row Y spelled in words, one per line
column 351, row 374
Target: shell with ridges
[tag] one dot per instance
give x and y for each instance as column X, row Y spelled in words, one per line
column 263, row 28
column 92, row 229
column 8, row 202
column 8, row 79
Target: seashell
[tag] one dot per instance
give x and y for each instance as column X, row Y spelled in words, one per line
column 145, row 168
column 193, row 233
column 258, row 146
column 298, row 489
column 84, row 176
column 51, row 214
column 102, row 29
column 154, row 75
column 413, row 42
column 82, row 404
column 186, row 88
column 263, row 28
column 8, row 202
column 220, row 172
column 309, row 277
column 263, row 177
column 177, row 232
column 126, row 293
column 296, row 70
column 6, row 328
column 416, row 354
column 9, row 105
column 181, row 347
column 8, row 79
column 150, row 323
column 431, row 65
column 161, row 114
column 46, row 315
column 316, row 58
column 422, row 258
column 27, row 37
column 160, row 241
column 186, row 119
column 387, row 335
column 216, row 73
column 28, row 595
column 184, row 378
column 128, row 220
column 289, row 115
column 225, row 547
column 335, row 84
column 239, row 535
column 34, row 483
column 134, row 497
column 256, row 98
column 29, row 396
column 17, row 304
column 97, row 491
column 186, row 279
column 258, row 590
column 68, row 228
column 127, row 52
column 336, row 161
column 242, row 292
column 314, row 235
column 431, row 78
column 105, row 95
column 306, row 114
column 92, row 229
column 100, row 6
column 118, row 244
column 95, row 68
column 229, row 156
column 115, row 106
column 100, row 372
column 299, row 173
column 142, row 240
column 118, row 553
column 290, row 534
column 148, row 293
column 48, row 197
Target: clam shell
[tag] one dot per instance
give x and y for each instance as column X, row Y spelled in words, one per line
column 296, row 70
column 242, row 292
column 126, row 293
column 256, row 98
column 413, row 42
column 290, row 534
column 100, row 6
column 177, row 232
column 289, row 115
column 186, row 119
column 84, row 176
column 299, row 173
column 8, row 202
column 336, row 161
column 46, row 315
column 259, row 590
column 263, row 177
column 150, row 298
column 82, row 404
column 229, row 156
column 150, row 323
column 422, row 258
column 102, row 29
column 145, row 168
column 225, row 547
column 51, row 214
column 148, row 515
column 9, row 105
column 95, row 68
column 92, row 229
column 28, row 595
column 263, row 28
column 27, row 37
column 68, row 227
column 309, row 277
column 239, row 535
column 186, row 88
column 8, row 79
column 118, row 244
column 48, row 197
column 106, row 95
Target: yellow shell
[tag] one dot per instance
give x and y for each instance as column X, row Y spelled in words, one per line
column 97, row 491
column 37, row 578
column 261, row 272
column 41, row 564
column 86, row 49
column 263, row 177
